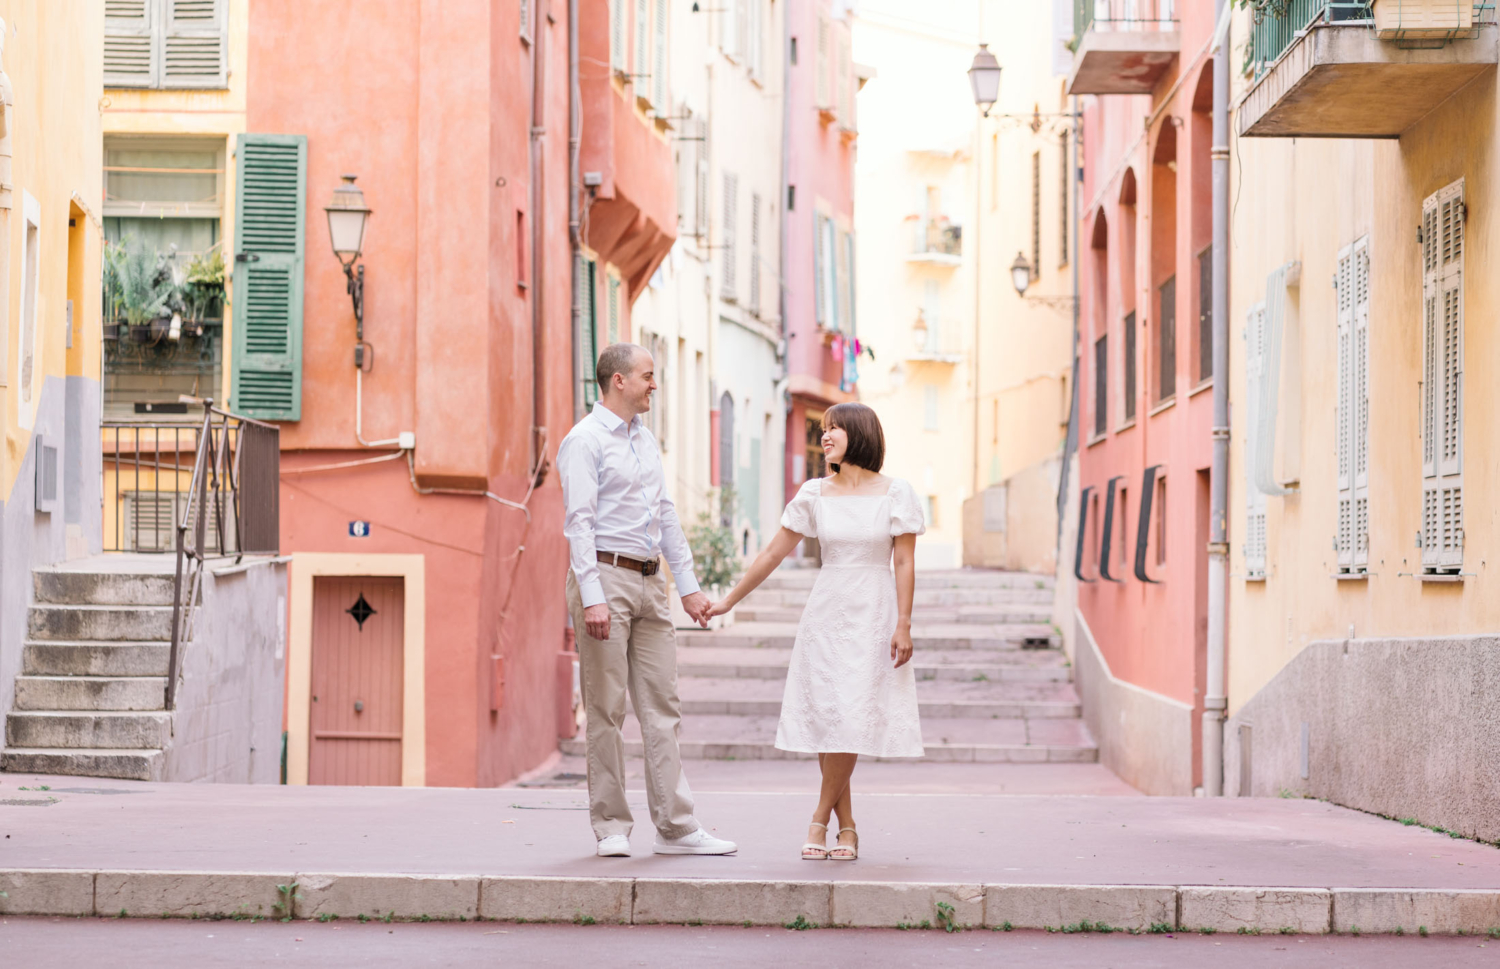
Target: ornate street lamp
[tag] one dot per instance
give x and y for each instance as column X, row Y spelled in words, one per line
column 984, row 77
column 1020, row 274
column 920, row 333
column 347, row 215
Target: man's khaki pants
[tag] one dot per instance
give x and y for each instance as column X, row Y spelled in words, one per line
column 641, row 652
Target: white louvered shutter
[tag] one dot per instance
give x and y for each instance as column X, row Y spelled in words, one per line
column 731, row 253
column 700, row 222
column 641, row 67
column 743, row 11
column 1360, row 416
column 1344, row 421
column 617, row 35
column 659, row 60
column 819, row 295
column 842, row 79
column 1255, row 499
column 730, row 41
column 754, row 252
column 194, row 44
column 822, row 65
column 1442, row 379
column 131, row 53
column 831, row 313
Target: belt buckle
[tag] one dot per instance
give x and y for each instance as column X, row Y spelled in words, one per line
column 650, row 568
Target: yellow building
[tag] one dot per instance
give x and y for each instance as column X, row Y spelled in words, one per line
column 969, row 376
column 1362, row 662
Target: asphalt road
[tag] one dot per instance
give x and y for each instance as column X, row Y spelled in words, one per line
column 40, row 943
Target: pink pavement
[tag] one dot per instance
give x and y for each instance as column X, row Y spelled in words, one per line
column 919, row 837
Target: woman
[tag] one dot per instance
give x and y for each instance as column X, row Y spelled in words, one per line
column 844, row 695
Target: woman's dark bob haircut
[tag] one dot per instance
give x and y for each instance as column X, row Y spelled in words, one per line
column 866, row 440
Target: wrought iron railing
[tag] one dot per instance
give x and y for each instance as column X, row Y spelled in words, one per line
column 937, row 237
column 1123, row 15
column 224, row 504
column 1276, row 24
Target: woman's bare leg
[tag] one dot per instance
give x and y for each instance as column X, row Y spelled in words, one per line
column 834, row 794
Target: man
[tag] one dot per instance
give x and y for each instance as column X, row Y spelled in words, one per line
column 618, row 520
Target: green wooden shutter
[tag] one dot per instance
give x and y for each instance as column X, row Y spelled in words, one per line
column 590, row 349
column 268, row 247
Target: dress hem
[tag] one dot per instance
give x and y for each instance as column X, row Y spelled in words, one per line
column 861, row 753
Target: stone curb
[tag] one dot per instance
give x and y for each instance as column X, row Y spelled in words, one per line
column 1136, row 908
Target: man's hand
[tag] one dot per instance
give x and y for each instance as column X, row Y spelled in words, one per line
column 596, row 621
column 697, row 606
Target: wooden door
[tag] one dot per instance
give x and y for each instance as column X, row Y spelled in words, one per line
column 357, row 658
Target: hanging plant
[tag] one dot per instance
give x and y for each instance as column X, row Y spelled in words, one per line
column 145, row 287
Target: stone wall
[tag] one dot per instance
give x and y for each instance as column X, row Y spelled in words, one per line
column 1144, row 737
column 1408, row 728
column 1013, row 524
column 227, row 727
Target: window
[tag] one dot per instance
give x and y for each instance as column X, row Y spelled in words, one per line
column 1161, row 520
column 617, row 36
column 520, row 248
column 1036, row 216
column 816, row 460
column 844, row 80
column 755, row 253
column 1443, row 216
column 1129, row 366
column 31, row 254
column 641, row 64
column 930, row 420
column 656, row 417
column 588, row 293
column 1062, row 200
column 1123, row 544
column 932, row 314
column 1206, row 314
column 1255, row 499
column 701, row 184
column 824, row 101
column 793, row 52
column 612, row 305
column 1352, row 429
column 929, row 510
column 849, row 317
column 165, row 44
column 754, row 35
column 843, row 280
column 659, row 60
column 731, row 255
column 163, row 199
column 826, row 296
column 1101, row 385
column 1166, row 341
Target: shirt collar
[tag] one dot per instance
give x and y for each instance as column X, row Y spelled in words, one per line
column 612, row 421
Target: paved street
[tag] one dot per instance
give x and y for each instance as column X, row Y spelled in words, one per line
column 150, row 944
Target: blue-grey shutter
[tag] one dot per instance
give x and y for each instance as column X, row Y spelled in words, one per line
column 270, row 203
column 130, row 50
column 194, row 44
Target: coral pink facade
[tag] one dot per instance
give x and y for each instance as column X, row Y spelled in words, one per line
column 1145, row 227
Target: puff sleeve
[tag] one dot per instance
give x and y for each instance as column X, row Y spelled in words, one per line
column 801, row 514
column 907, row 517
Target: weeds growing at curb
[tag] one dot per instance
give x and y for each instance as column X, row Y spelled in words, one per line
column 945, row 918
column 1246, row 930
column 1494, row 932
column 287, row 894
column 580, row 919
column 327, row 917
column 1207, row 930
column 1002, row 927
column 363, row 918
column 1422, row 931
column 1285, row 930
column 801, row 924
column 748, row 923
column 1159, row 928
column 1354, row 930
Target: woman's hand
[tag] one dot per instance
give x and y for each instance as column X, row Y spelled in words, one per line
column 717, row 609
column 901, row 643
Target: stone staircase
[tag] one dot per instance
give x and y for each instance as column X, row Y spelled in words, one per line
column 90, row 698
column 992, row 683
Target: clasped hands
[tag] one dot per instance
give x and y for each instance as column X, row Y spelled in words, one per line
column 697, row 605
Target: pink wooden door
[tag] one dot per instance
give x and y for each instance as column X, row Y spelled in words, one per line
column 356, row 680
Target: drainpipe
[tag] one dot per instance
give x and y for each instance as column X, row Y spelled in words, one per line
column 1070, row 439
column 1214, row 701
column 575, row 128
column 538, row 215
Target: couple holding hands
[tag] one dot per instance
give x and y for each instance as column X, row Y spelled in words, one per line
column 850, row 689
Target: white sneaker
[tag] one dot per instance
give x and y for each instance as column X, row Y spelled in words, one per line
column 700, row 842
column 614, row 846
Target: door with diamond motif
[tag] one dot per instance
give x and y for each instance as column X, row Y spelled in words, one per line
column 357, row 659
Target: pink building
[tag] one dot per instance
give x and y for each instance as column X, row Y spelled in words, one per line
column 819, row 249
column 1145, row 383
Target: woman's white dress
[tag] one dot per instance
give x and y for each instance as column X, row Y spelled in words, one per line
column 842, row 693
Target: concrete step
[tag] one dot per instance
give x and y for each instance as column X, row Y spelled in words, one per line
column 975, row 636
column 95, row 659
column 1039, row 614
column 134, row 765
column 110, row 623
column 986, row 741
column 90, row 692
column 936, row 699
column 923, row 598
column 66, row 587
column 948, row 579
column 1012, row 666
column 112, row 731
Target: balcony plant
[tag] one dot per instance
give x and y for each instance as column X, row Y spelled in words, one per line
column 139, row 288
column 202, row 289
column 716, row 557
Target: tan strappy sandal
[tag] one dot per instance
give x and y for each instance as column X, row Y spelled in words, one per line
column 816, row 852
column 851, row 852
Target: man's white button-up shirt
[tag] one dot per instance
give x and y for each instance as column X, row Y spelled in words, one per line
column 615, row 500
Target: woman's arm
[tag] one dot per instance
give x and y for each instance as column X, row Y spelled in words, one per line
column 906, row 585
column 764, row 564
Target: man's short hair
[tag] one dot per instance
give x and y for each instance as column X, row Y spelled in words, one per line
column 616, row 358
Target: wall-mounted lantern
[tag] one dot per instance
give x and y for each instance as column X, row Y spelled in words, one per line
column 984, row 77
column 1020, row 274
column 347, row 215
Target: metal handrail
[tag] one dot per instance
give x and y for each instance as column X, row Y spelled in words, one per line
column 219, row 475
column 1276, row 24
column 1119, row 15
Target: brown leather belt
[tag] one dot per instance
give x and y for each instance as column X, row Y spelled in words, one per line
column 644, row 568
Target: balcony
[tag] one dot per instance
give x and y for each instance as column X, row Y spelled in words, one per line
column 1351, row 69
column 937, row 242
column 1122, row 46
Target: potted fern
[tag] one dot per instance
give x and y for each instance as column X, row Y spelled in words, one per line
column 145, row 290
